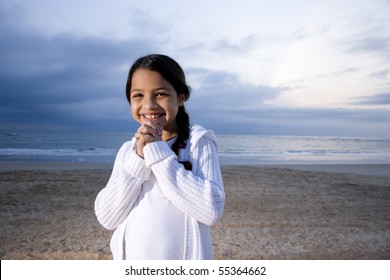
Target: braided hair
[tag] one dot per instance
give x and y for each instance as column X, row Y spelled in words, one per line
column 171, row 71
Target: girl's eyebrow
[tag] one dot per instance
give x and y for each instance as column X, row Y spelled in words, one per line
column 157, row 89
column 161, row 88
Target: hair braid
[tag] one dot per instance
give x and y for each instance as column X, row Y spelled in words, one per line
column 183, row 129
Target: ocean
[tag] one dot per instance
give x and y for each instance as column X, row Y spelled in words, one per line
column 101, row 147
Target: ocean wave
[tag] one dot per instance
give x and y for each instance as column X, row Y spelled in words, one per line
column 57, row 152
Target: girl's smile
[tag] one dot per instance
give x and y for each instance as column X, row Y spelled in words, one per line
column 153, row 117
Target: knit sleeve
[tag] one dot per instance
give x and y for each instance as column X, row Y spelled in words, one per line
column 114, row 202
column 200, row 195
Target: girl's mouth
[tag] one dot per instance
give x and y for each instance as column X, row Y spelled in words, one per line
column 153, row 117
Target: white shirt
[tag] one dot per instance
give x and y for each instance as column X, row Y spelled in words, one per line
column 155, row 226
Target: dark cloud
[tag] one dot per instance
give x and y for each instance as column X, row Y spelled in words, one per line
column 227, row 105
column 48, row 80
column 221, row 90
column 378, row 99
column 294, row 121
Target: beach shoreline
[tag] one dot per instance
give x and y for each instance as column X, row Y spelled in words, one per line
column 271, row 212
column 375, row 169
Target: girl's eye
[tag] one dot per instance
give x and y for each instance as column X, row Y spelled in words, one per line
column 161, row 93
column 136, row 95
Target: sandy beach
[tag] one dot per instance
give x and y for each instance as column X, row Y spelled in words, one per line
column 271, row 212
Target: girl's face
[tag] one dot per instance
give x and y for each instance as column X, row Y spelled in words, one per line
column 153, row 99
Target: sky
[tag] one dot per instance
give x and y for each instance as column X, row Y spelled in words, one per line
column 318, row 68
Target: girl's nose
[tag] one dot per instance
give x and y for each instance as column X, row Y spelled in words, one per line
column 149, row 103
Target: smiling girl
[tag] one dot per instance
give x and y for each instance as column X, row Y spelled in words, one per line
column 166, row 188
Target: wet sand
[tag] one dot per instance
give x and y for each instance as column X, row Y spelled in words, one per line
column 271, row 212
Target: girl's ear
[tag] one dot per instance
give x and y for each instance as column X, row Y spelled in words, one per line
column 181, row 98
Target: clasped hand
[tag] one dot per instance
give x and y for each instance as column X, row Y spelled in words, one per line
column 148, row 132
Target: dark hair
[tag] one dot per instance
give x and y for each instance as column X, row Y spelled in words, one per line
column 171, row 71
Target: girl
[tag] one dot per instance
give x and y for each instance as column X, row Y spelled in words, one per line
column 166, row 188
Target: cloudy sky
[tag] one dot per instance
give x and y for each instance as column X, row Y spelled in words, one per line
column 256, row 67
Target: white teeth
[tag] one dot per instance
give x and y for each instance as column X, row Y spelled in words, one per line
column 152, row 116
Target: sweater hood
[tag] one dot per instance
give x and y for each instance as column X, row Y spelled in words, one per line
column 197, row 132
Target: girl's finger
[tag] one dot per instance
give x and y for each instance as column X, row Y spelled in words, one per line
column 145, row 138
column 144, row 129
column 158, row 129
column 152, row 129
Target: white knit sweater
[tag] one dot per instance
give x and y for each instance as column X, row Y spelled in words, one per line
column 198, row 193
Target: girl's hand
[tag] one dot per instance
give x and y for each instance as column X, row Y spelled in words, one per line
column 147, row 133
